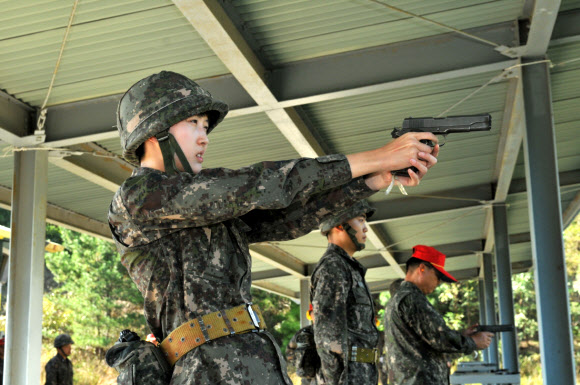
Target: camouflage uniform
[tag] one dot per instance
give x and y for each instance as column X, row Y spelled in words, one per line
column 184, row 240
column 59, row 371
column 344, row 317
column 417, row 339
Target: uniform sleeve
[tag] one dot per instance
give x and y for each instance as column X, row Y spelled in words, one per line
column 430, row 326
column 159, row 201
column 330, row 295
column 51, row 374
column 300, row 217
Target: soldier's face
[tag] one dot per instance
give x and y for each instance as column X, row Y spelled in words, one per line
column 191, row 134
column 359, row 224
column 66, row 349
column 430, row 280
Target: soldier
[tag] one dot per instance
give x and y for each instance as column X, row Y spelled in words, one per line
column 416, row 336
column 345, row 331
column 183, row 232
column 59, row 370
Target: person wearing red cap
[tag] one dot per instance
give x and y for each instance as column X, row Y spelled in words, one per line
column 416, row 336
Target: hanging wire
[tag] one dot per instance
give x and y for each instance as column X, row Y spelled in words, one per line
column 498, row 77
column 42, row 117
column 493, row 44
column 9, row 150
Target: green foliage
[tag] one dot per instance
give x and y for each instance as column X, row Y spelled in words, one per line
column 95, row 298
column 281, row 315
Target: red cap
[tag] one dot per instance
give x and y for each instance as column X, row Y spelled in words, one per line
column 434, row 257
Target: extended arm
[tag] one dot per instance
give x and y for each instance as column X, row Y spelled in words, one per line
column 430, row 326
column 302, row 217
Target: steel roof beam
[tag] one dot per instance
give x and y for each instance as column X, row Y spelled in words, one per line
column 276, row 289
column 216, row 28
column 417, row 58
column 98, row 166
column 571, row 211
column 65, row 218
column 512, row 133
column 543, row 20
column 278, row 258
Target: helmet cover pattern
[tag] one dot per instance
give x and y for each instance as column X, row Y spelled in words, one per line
column 359, row 208
column 62, row 340
column 157, row 102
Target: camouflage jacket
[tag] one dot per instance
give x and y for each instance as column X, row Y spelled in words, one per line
column 184, row 240
column 59, row 371
column 417, row 339
column 344, row 316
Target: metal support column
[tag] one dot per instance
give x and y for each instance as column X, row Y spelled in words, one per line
column 545, row 213
column 26, row 269
column 304, row 301
column 490, row 316
column 504, row 287
column 482, row 313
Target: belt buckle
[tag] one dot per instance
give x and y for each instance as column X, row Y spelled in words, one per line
column 353, row 353
column 376, row 355
column 254, row 317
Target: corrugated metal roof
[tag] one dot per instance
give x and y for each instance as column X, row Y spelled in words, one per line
column 295, row 30
column 110, row 46
column 78, row 195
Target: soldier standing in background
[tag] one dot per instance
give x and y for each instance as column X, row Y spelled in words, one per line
column 59, row 370
column 416, row 336
column 183, row 232
column 345, row 330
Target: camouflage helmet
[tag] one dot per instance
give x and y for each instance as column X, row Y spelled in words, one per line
column 359, row 208
column 154, row 104
column 62, row 340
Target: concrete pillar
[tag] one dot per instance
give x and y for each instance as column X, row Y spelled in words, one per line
column 26, row 269
column 545, row 211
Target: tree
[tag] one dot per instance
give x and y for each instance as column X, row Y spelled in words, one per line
column 94, row 291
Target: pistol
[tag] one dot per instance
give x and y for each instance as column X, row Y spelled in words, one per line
column 441, row 126
column 494, row 328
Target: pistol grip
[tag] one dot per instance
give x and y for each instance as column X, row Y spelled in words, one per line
column 403, row 171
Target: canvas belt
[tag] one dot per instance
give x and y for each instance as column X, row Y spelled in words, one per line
column 196, row 332
column 366, row 355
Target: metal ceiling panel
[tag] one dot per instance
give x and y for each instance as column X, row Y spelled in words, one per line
column 110, row 46
column 79, row 195
column 288, row 31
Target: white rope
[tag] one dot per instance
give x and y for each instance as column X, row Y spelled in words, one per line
column 9, row 150
column 42, row 117
column 437, row 23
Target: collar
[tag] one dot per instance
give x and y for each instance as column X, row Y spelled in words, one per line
column 410, row 287
column 61, row 358
column 335, row 249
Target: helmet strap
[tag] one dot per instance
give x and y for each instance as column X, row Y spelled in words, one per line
column 169, row 147
column 352, row 235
